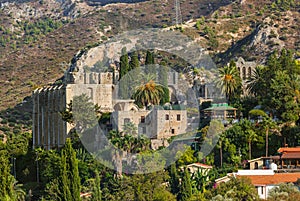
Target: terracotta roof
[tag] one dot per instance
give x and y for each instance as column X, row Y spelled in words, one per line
column 289, row 149
column 277, row 178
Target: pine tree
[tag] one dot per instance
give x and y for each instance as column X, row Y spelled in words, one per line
column 185, row 191
column 124, row 65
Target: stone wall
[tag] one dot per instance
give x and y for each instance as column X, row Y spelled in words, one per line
column 49, row 130
column 48, row 127
column 156, row 124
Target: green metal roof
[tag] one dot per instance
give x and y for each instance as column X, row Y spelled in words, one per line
column 220, row 106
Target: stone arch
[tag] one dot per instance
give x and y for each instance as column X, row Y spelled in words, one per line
column 249, row 72
column 90, row 93
column 244, row 74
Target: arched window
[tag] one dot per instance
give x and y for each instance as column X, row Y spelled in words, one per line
column 244, row 73
column 255, row 165
column 249, row 72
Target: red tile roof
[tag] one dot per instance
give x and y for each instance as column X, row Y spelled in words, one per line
column 289, row 149
column 277, row 178
column 200, row 165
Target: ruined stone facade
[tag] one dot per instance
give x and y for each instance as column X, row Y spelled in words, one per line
column 49, row 130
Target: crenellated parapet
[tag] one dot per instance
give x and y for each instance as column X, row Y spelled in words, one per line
column 89, row 78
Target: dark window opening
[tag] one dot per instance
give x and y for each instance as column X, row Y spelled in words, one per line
column 167, row 117
column 142, row 119
column 173, row 131
column 178, row 117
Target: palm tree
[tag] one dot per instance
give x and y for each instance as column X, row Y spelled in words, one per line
column 250, row 134
column 148, row 93
column 229, row 80
column 18, row 193
column 256, row 82
column 267, row 124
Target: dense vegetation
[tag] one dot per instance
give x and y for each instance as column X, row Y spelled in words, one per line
column 67, row 173
column 268, row 113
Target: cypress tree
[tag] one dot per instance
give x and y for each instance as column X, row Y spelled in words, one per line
column 124, row 65
column 6, row 179
column 150, row 66
column 134, row 62
column 124, row 68
column 185, row 191
column 163, row 78
column 174, row 179
column 149, row 58
column 97, row 194
column 69, row 174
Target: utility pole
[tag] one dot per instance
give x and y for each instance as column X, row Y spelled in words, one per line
column 178, row 17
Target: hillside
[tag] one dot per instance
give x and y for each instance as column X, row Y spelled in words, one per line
column 39, row 38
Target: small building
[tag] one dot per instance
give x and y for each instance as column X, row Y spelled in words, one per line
column 194, row 167
column 265, row 180
column 158, row 124
column 220, row 111
column 289, row 157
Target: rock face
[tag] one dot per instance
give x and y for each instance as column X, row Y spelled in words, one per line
column 265, row 36
column 105, row 2
column 32, row 9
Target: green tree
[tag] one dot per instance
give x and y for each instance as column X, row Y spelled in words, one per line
column 124, row 65
column 256, row 82
column 163, row 78
column 284, row 192
column 134, row 62
column 69, row 180
column 235, row 189
column 149, row 93
column 149, row 58
column 174, row 179
column 249, row 134
column 185, row 191
column 150, row 67
column 6, row 179
column 229, row 80
column 265, row 125
column 285, row 96
column 97, row 194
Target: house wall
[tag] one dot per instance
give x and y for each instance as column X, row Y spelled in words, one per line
column 156, row 124
column 263, row 190
column 259, row 163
